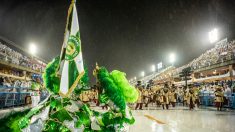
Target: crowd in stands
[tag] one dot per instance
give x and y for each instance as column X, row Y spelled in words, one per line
column 14, row 78
column 11, row 82
column 210, row 89
column 12, row 72
column 11, row 56
column 17, row 92
column 204, row 93
column 16, row 84
column 220, row 53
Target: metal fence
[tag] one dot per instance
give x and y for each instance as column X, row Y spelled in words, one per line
column 12, row 99
column 209, row 100
column 15, row 99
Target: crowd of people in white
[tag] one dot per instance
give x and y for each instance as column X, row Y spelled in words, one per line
column 220, row 53
column 210, row 89
column 9, row 55
column 10, row 82
column 29, row 90
column 13, row 81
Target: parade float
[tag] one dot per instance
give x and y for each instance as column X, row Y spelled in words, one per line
column 65, row 78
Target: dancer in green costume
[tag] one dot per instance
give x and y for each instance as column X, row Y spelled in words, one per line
column 67, row 113
column 70, row 114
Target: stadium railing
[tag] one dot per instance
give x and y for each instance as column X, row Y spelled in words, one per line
column 14, row 99
column 208, row 99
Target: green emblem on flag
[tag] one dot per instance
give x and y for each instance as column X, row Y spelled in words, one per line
column 73, row 47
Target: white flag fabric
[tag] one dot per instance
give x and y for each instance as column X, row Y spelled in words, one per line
column 72, row 68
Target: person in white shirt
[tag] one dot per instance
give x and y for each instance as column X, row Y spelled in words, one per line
column 17, row 83
column 6, row 82
column 228, row 91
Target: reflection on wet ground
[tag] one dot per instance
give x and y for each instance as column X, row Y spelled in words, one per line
column 183, row 120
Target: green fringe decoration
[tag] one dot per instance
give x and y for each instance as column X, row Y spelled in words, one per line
column 10, row 122
column 109, row 118
column 85, row 78
column 129, row 92
column 111, row 89
column 53, row 126
column 24, row 121
column 103, row 98
column 118, row 90
column 50, row 78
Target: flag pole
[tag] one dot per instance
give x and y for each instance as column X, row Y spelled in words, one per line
column 69, row 12
column 65, row 32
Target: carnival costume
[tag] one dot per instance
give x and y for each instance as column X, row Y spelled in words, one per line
column 63, row 110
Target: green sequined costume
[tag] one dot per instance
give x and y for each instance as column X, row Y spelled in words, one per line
column 70, row 114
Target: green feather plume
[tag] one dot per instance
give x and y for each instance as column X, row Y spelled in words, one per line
column 85, row 78
column 129, row 92
column 10, row 122
column 50, row 78
column 111, row 89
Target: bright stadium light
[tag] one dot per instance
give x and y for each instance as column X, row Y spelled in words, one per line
column 159, row 65
column 153, row 68
column 213, row 35
column 32, row 49
column 142, row 73
column 172, row 58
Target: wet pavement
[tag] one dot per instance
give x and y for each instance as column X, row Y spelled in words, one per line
column 178, row 119
column 183, row 120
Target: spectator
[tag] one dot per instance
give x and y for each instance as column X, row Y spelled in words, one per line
column 17, row 83
column 6, row 82
column 219, row 54
column 1, row 81
column 228, row 91
column 11, row 56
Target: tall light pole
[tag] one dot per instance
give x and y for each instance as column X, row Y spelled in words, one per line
column 213, row 35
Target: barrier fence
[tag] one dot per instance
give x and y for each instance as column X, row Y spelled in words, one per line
column 209, row 100
column 12, row 99
column 15, row 99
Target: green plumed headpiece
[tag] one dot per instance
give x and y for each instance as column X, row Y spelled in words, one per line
column 50, row 77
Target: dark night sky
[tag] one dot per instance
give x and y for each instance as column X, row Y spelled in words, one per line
column 128, row 35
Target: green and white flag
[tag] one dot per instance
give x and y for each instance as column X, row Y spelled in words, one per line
column 71, row 66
